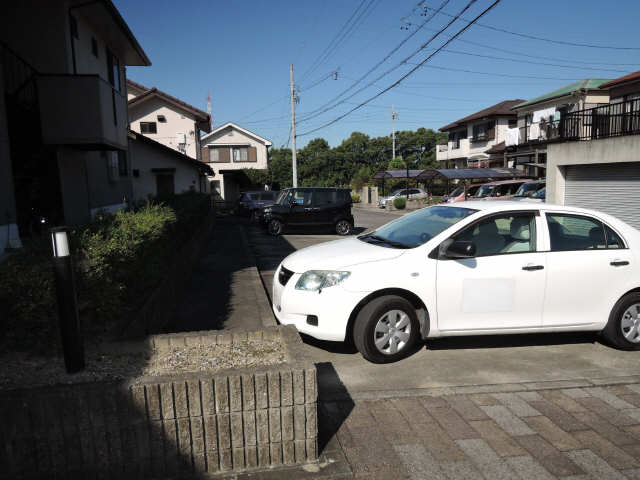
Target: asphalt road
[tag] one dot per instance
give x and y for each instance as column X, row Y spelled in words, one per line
column 446, row 362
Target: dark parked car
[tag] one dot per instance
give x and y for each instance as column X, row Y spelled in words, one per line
column 310, row 207
column 251, row 203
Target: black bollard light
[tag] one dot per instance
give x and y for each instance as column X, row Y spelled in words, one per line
column 68, row 318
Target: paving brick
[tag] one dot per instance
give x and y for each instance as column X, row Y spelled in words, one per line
column 605, row 410
column 507, row 420
column 483, row 399
column 634, row 388
column 633, row 474
column 530, row 396
column 634, row 413
column 455, row 426
column 618, row 390
column 462, row 469
column 503, row 444
column 606, row 429
column 466, row 407
column 634, row 431
column 391, row 423
column 516, row 404
column 633, row 450
column 552, row 433
column 560, row 417
column 436, row 440
column 527, row 467
column 615, row 456
column 412, row 410
column 608, row 397
column 550, row 457
column 487, row 461
column 575, row 392
column 594, row 465
column 632, row 398
column 563, row 401
column 418, row 462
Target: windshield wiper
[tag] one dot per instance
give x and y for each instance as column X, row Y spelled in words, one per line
column 388, row 242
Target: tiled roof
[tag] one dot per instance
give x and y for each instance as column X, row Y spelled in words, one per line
column 618, row 81
column 497, row 148
column 587, row 84
column 502, row 108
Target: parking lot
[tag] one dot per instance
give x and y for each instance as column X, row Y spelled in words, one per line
column 447, row 362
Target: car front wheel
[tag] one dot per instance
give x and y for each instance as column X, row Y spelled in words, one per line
column 275, row 227
column 343, row 227
column 623, row 328
column 386, row 329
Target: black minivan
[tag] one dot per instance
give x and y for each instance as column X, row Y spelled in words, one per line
column 310, row 207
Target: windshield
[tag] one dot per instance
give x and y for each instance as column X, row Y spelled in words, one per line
column 283, row 197
column 417, row 228
column 485, row 191
column 456, row 192
column 528, row 189
column 541, row 193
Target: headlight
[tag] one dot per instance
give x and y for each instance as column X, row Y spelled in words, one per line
column 316, row 280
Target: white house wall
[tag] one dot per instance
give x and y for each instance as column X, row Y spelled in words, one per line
column 145, row 157
column 177, row 121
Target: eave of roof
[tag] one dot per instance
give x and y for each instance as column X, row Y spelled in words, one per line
column 180, row 156
column 237, row 127
column 586, row 84
column 635, row 76
column 499, row 109
column 202, row 117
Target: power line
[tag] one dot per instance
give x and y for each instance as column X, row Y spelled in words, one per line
column 386, row 57
column 397, row 82
column 541, row 39
column 499, row 74
column 403, row 62
column 286, row 97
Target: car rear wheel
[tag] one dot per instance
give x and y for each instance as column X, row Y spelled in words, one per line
column 623, row 328
column 275, row 227
column 386, row 329
column 343, row 227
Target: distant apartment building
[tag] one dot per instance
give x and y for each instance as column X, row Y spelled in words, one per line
column 63, row 112
column 166, row 119
column 229, row 149
column 539, row 122
column 477, row 140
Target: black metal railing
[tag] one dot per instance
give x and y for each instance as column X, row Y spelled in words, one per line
column 611, row 120
column 19, row 77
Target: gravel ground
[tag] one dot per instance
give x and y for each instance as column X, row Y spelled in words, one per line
column 20, row 370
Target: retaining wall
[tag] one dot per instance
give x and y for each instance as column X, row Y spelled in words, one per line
column 234, row 420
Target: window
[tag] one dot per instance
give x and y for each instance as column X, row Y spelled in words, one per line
column 574, row 232
column 219, row 155
column 123, row 168
column 324, row 197
column 302, row 197
column 113, row 70
column 94, row 47
column 241, row 154
column 112, row 165
column 502, row 234
column 268, row 196
column 457, row 137
column 161, row 119
column 73, row 26
column 613, row 239
column 148, row 127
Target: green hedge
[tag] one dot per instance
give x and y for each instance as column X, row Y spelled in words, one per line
column 399, row 203
column 119, row 258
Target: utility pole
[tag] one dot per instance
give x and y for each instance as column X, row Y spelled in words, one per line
column 293, row 127
column 394, row 115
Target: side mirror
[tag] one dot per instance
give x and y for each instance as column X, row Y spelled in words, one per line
column 460, row 249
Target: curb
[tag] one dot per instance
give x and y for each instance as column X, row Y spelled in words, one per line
column 259, row 289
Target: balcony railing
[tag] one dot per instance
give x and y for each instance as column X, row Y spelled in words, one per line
column 18, row 77
column 82, row 110
column 612, row 120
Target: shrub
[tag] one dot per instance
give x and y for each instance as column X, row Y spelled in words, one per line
column 399, row 203
column 355, row 198
column 119, row 258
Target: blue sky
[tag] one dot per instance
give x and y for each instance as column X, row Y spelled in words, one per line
column 241, row 51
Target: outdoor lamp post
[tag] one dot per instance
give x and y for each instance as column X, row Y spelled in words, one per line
column 68, row 319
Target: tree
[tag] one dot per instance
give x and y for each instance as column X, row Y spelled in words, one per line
column 397, row 164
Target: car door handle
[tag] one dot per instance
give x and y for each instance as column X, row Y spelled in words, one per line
column 530, row 268
column 619, row 263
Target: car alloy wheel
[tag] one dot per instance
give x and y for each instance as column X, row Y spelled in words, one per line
column 275, row 227
column 392, row 332
column 343, row 227
column 630, row 323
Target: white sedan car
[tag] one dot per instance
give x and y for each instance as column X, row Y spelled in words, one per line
column 484, row 268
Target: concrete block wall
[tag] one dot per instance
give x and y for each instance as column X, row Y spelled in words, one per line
column 159, row 427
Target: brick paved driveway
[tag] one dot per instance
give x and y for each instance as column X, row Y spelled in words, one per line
column 558, row 433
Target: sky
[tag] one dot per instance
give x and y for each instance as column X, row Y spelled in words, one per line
column 240, row 52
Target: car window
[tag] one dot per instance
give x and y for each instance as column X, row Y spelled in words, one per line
column 613, row 239
column 575, row 232
column 413, row 191
column 302, row 197
column 542, row 193
column 484, row 191
column 325, row 197
column 502, row 234
column 254, row 196
column 267, row 196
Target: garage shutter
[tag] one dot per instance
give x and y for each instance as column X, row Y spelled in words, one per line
column 613, row 188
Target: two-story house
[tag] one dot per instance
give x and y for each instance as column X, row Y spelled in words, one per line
column 63, row 114
column 477, row 140
column 229, row 149
column 595, row 160
column 539, row 122
column 166, row 119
